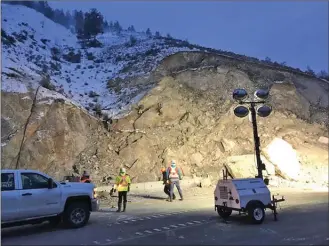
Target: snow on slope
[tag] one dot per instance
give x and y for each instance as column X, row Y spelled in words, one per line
column 37, row 40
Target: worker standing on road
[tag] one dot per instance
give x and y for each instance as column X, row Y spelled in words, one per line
column 174, row 174
column 166, row 188
column 122, row 183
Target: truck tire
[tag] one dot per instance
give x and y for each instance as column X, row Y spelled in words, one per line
column 256, row 213
column 76, row 214
column 224, row 212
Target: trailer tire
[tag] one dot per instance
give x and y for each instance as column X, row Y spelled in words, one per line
column 224, row 212
column 256, row 213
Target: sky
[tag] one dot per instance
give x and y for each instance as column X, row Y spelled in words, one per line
column 295, row 32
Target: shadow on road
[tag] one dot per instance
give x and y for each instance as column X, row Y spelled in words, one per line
column 28, row 230
column 149, row 197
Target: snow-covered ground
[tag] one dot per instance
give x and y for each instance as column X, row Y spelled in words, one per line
column 35, row 45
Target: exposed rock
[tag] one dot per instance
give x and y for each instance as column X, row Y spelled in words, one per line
column 323, row 140
column 187, row 116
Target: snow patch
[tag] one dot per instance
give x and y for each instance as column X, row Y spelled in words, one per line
column 13, row 86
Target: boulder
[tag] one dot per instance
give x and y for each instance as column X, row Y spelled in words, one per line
column 323, row 140
column 284, row 157
column 244, row 166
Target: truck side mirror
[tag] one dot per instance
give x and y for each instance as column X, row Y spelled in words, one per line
column 50, row 183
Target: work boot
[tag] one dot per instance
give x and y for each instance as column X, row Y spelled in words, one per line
column 124, row 207
column 119, row 208
column 181, row 199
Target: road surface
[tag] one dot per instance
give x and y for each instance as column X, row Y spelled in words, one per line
column 303, row 220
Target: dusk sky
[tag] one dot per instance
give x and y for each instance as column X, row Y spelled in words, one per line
column 295, row 32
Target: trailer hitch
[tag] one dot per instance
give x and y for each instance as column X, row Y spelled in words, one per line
column 275, row 202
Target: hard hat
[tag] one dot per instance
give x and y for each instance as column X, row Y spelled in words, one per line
column 122, row 170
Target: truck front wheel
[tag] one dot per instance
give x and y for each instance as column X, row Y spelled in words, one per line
column 76, row 214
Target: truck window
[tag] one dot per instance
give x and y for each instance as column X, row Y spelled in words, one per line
column 34, row 181
column 7, row 181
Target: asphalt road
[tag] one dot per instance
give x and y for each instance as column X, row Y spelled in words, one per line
column 303, row 220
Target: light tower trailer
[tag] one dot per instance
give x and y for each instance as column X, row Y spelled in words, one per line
column 249, row 196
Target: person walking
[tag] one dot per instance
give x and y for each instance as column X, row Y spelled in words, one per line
column 122, row 183
column 166, row 187
column 174, row 175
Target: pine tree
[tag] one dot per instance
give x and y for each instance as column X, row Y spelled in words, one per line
column 69, row 19
column 117, row 27
column 267, row 59
column 132, row 40
column 111, row 26
column 309, row 70
column 106, row 26
column 79, row 23
column 323, row 74
column 157, row 34
column 131, row 28
column 148, row 32
column 93, row 24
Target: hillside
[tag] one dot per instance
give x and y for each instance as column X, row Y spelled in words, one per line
column 167, row 99
column 34, row 46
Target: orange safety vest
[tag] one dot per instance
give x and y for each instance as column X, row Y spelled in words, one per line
column 173, row 173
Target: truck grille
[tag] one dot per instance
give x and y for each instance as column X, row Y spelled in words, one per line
column 223, row 193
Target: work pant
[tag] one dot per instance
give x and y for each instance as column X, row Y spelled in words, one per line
column 122, row 195
column 172, row 184
column 166, row 190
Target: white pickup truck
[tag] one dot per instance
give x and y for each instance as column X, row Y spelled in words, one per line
column 32, row 197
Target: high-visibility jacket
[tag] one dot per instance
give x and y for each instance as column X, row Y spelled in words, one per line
column 174, row 173
column 122, row 182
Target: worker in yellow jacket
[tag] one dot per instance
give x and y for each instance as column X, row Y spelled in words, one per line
column 122, row 183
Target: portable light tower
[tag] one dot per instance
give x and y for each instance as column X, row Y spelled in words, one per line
column 263, row 110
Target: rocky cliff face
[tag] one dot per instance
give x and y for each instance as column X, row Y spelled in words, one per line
column 187, row 115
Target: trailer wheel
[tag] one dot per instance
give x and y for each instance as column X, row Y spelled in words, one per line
column 256, row 213
column 224, row 212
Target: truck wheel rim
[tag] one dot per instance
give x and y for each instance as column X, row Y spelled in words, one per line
column 78, row 215
column 258, row 214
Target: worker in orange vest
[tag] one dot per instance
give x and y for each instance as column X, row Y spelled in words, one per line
column 174, row 175
column 166, row 187
column 122, row 184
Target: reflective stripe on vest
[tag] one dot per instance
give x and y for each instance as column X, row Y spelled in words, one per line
column 173, row 174
column 123, row 182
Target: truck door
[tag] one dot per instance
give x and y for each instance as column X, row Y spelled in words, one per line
column 10, row 197
column 37, row 199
